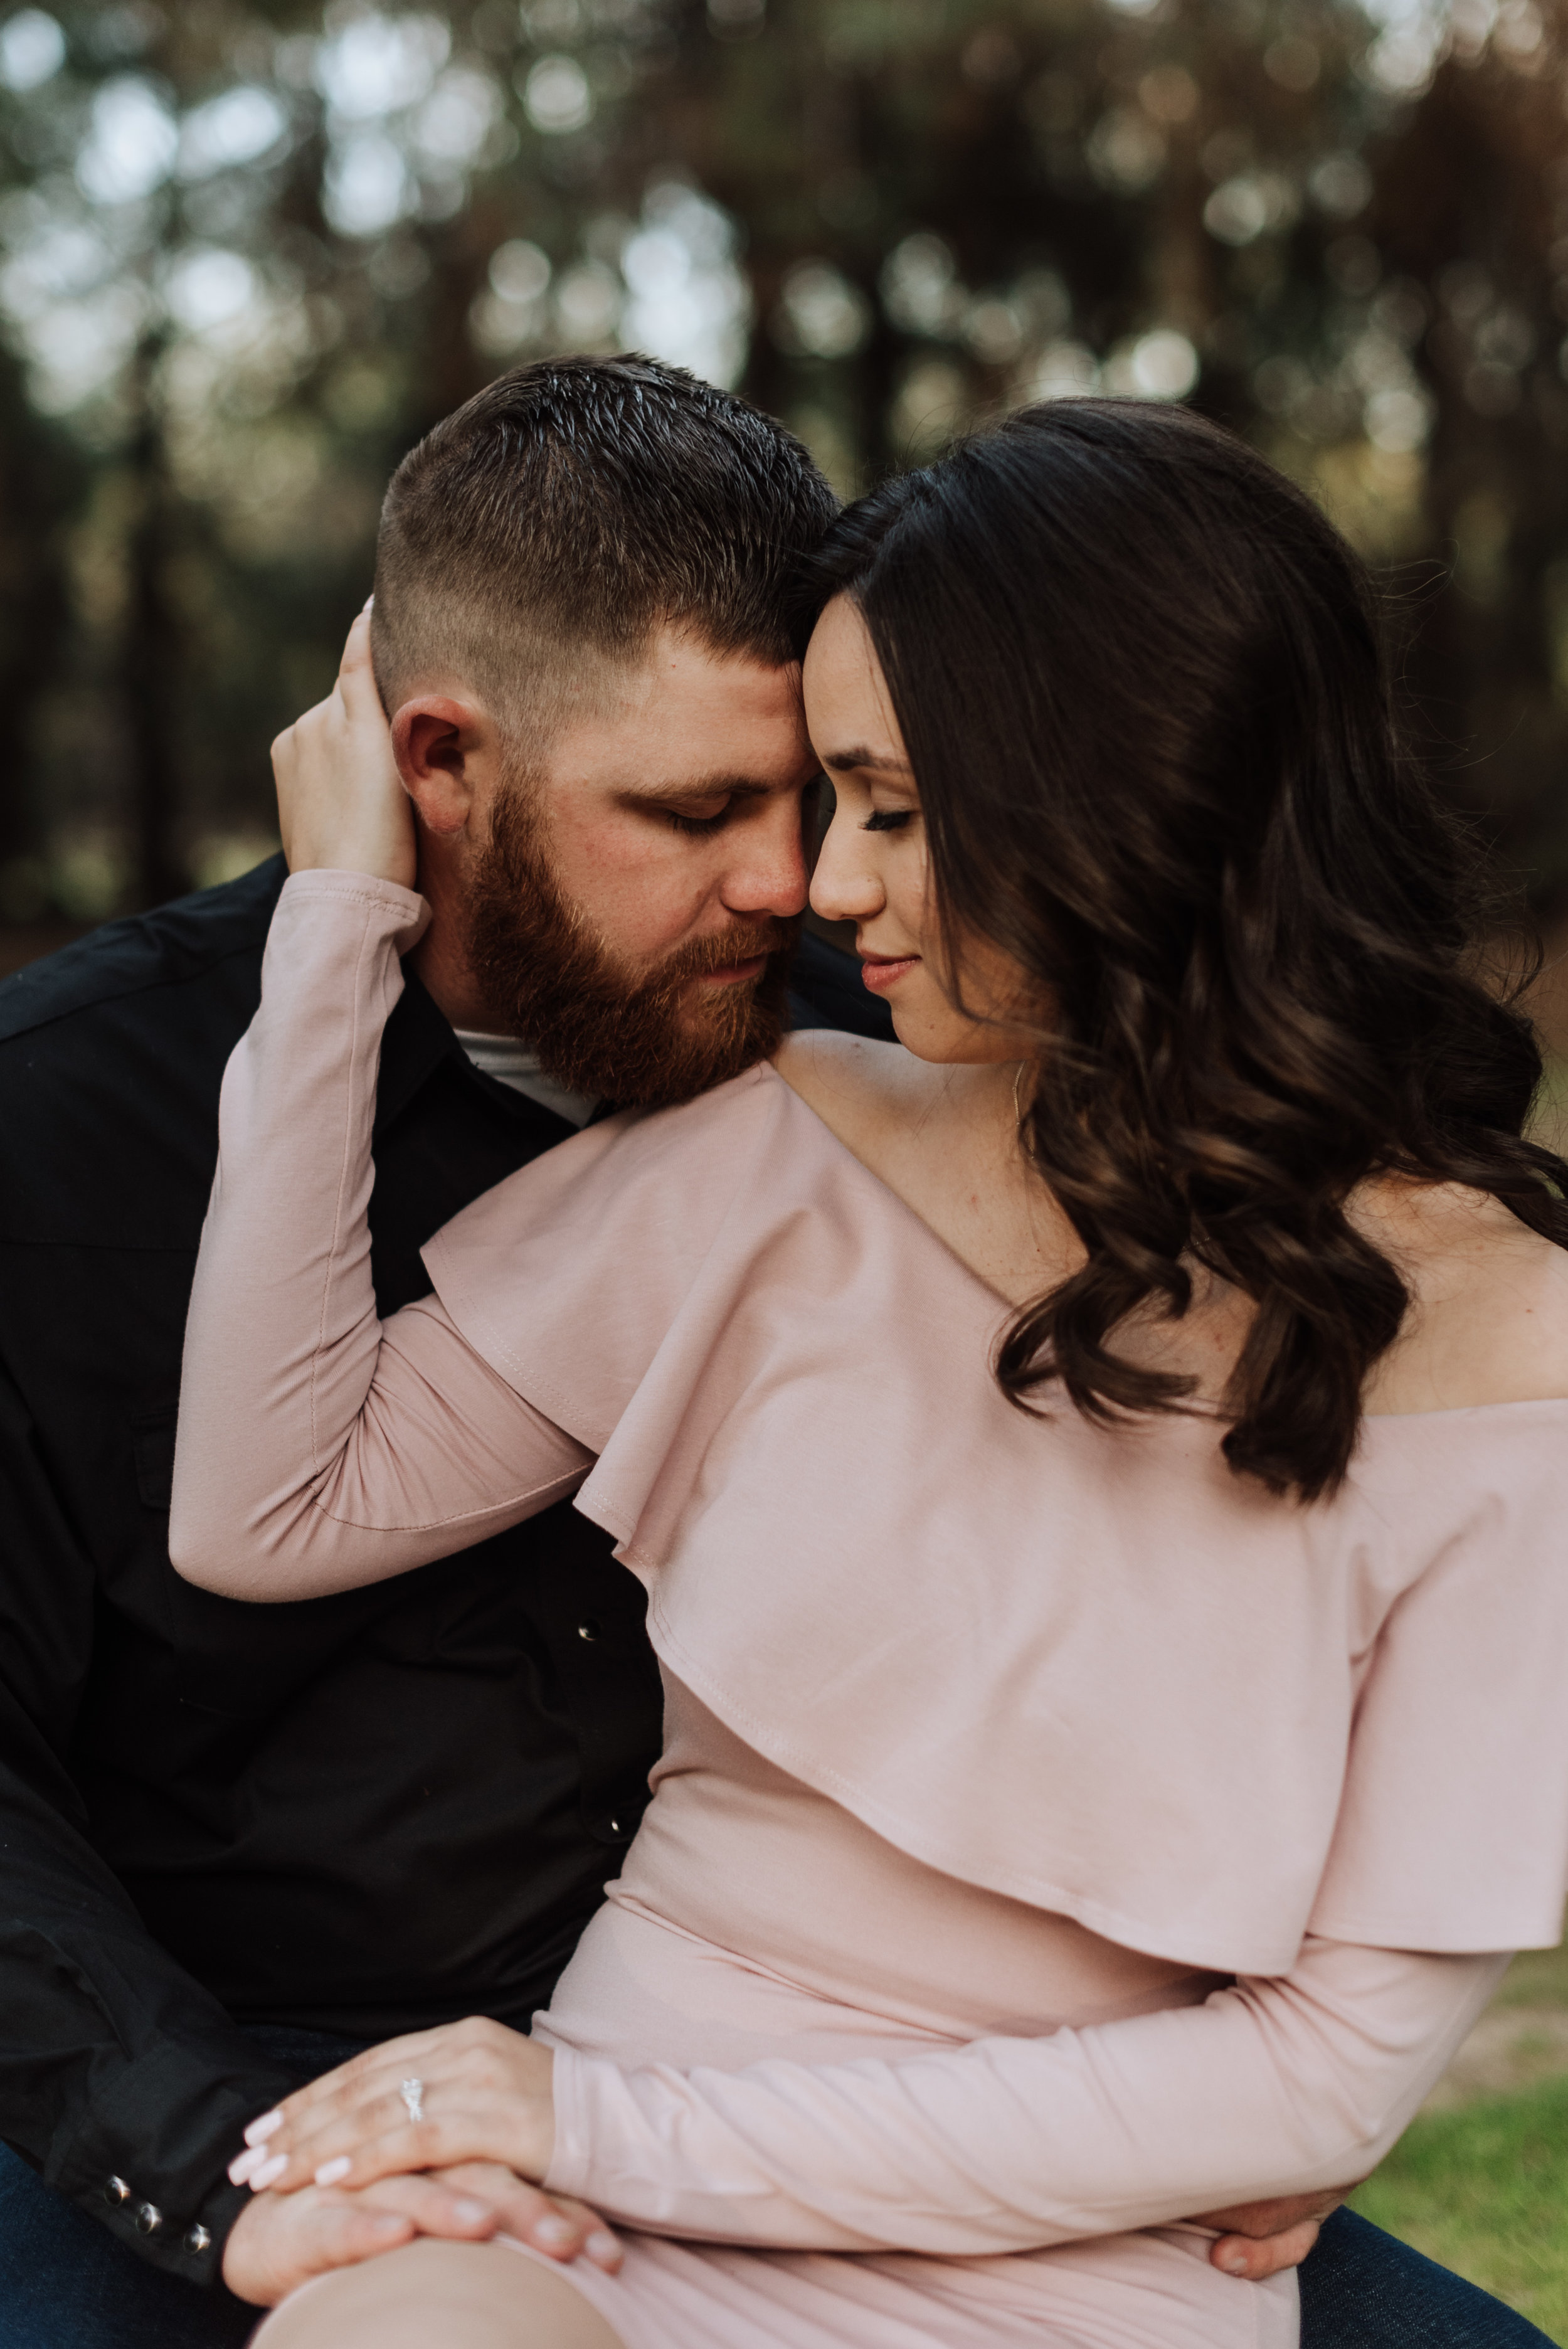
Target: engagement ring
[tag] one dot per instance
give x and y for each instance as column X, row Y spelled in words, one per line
column 413, row 2095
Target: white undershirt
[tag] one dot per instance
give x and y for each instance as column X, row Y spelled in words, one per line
column 511, row 1063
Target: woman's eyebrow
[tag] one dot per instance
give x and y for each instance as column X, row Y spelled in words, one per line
column 844, row 762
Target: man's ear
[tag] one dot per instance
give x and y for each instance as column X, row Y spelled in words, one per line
column 439, row 746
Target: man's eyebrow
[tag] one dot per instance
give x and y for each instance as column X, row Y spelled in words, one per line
column 704, row 787
column 845, row 762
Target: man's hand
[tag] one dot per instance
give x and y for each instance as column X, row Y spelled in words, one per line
column 280, row 2240
column 1261, row 2239
column 341, row 801
column 276, row 2243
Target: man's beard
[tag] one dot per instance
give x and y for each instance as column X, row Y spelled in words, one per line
column 653, row 1040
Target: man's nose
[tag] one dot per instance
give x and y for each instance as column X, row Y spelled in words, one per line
column 769, row 874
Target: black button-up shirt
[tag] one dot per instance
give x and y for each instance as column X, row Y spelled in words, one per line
column 361, row 1815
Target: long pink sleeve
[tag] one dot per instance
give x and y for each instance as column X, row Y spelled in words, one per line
column 320, row 1449
column 1273, row 2087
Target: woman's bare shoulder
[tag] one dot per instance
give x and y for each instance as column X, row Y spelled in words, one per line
column 1489, row 1316
column 864, row 1090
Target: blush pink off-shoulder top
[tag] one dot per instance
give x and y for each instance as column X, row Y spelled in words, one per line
column 1076, row 1666
column 1087, row 1671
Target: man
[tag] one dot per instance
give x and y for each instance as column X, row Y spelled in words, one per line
column 239, row 1841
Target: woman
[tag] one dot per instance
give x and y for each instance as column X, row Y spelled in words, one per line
column 1098, row 1472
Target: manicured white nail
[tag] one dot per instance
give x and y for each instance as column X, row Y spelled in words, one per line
column 269, row 2172
column 603, row 2248
column 331, row 2171
column 260, row 2130
column 553, row 2233
column 1237, row 2264
column 245, row 2164
column 471, row 2214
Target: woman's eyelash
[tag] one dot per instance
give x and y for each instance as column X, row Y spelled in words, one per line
column 887, row 819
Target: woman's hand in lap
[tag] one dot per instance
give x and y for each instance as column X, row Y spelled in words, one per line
column 341, row 801
column 485, row 2095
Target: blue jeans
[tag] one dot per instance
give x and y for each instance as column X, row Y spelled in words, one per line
column 66, row 2284
column 1362, row 2289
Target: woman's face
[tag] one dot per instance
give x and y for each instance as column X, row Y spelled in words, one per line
column 873, row 869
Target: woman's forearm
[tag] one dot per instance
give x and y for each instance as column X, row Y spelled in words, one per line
column 319, row 1449
column 1273, row 2087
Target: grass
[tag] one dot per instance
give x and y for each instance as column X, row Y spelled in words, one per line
column 1485, row 2190
column 1484, row 2187
column 1539, row 1978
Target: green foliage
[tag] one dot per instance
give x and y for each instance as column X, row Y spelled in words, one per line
column 1485, row 2191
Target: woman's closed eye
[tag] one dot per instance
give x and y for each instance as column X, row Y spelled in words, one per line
column 887, row 819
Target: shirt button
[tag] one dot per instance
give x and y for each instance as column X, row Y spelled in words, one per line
column 115, row 2190
column 149, row 2218
column 615, row 1827
column 589, row 1631
column 197, row 2239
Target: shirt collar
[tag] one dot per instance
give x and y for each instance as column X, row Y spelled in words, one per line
column 416, row 1038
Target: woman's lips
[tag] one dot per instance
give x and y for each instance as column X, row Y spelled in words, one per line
column 881, row 971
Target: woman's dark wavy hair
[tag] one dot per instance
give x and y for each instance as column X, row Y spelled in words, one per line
column 1142, row 686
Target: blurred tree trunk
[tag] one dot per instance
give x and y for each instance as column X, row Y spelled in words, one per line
column 150, row 650
column 37, row 493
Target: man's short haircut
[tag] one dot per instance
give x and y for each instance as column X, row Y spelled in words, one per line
column 551, row 524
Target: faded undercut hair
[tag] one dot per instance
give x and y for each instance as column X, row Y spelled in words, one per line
column 547, row 528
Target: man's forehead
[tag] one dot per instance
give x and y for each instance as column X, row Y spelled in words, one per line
column 732, row 721
column 685, row 671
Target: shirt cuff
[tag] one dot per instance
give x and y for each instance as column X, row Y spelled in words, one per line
column 150, row 2156
column 410, row 910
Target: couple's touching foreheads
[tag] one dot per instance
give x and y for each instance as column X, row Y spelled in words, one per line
column 1081, row 1402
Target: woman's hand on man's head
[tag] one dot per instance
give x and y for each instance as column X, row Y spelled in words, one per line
column 341, row 801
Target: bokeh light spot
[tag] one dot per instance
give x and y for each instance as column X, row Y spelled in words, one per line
column 556, row 97
column 820, row 313
column 32, row 49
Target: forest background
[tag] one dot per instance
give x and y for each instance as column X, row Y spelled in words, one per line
column 249, row 252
